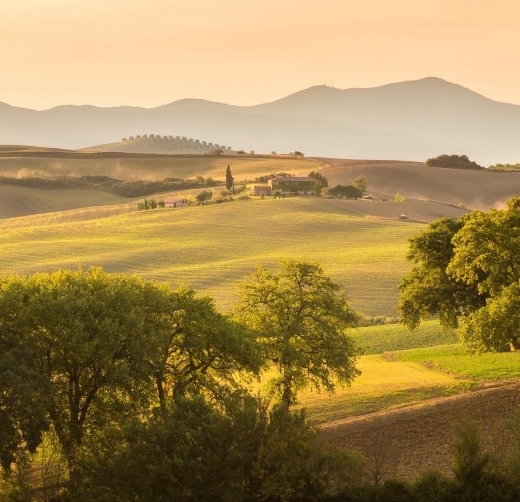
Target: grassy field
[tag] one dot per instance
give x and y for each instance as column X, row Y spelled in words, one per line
column 392, row 337
column 212, row 248
column 395, row 378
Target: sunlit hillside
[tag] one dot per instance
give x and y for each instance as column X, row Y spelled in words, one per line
column 212, row 248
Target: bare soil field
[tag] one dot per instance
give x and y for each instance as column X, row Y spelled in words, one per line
column 472, row 189
column 407, row 441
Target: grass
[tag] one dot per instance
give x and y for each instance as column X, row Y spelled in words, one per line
column 391, row 337
column 383, row 384
column 455, row 359
column 20, row 201
column 397, row 378
column 212, row 248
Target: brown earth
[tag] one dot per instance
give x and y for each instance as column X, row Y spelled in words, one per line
column 472, row 189
column 407, row 441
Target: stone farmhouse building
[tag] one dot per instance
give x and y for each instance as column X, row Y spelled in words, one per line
column 175, row 202
column 301, row 184
column 261, row 190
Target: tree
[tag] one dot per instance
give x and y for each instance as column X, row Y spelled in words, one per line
column 321, row 179
column 360, row 182
column 300, row 318
column 202, row 353
column 349, row 192
column 468, row 270
column 91, row 336
column 229, row 178
column 204, row 196
column 453, row 161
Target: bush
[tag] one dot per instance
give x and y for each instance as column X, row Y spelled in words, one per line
column 453, row 161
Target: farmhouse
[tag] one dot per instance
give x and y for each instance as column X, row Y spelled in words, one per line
column 294, row 183
column 261, row 190
column 175, row 202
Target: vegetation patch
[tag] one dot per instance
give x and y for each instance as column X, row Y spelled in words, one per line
column 457, row 360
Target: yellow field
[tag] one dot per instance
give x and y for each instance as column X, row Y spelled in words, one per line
column 212, row 248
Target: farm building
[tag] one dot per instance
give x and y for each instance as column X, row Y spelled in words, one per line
column 294, row 183
column 261, row 190
column 175, row 202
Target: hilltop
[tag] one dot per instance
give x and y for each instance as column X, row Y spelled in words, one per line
column 157, row 144
column 404, row 120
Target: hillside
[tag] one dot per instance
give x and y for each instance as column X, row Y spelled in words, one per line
column 411, row 120
column 429, row 192
column 404, row 442
column 157, row 144
column 362, row 244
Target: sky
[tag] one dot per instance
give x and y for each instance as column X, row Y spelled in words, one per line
column 244, row 52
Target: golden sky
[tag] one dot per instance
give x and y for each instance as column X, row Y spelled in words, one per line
column 243, row 52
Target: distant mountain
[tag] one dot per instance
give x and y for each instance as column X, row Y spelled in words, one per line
column 410, row 120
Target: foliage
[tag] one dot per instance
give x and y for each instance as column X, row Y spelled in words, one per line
column 360, row 182
column 204, row 196
column 149, row 204
column 318, row 176
column 203, row 352
column 300, row 317
column 349, row 192
column 229, row 178
column 505, row 167
column 267, row 177
column 88, row 338
column 453, row 161
column 129, row 188
column 467, row 269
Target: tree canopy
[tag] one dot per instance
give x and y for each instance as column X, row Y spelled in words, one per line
column 143, row 391
column 300, row 318
column 468, row 273
column 229, row 178
column 348, row 191
column 453, row 161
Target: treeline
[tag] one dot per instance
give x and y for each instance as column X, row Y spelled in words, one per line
column 453, row 161
column 505, row 167
column 179, row 141
column 134, row 188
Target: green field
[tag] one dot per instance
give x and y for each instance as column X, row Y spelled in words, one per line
column 426, row 365
column 212, row 248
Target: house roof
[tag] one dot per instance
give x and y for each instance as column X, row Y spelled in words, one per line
column 281, row 179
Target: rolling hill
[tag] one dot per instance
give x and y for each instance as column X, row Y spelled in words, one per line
column 406, row 120
column 406, row 425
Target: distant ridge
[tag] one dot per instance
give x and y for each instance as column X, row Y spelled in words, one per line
column 412, row 120
column 158, row 144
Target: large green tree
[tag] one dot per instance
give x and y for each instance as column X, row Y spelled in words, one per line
column 300, row 317
column 91, row 336
column 468, row 273
column 202, row 352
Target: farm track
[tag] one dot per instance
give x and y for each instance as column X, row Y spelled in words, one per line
column 406, row 441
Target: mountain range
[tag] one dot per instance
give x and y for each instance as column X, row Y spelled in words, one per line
column 411, row 120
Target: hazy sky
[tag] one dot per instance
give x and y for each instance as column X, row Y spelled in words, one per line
column 152, row 52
